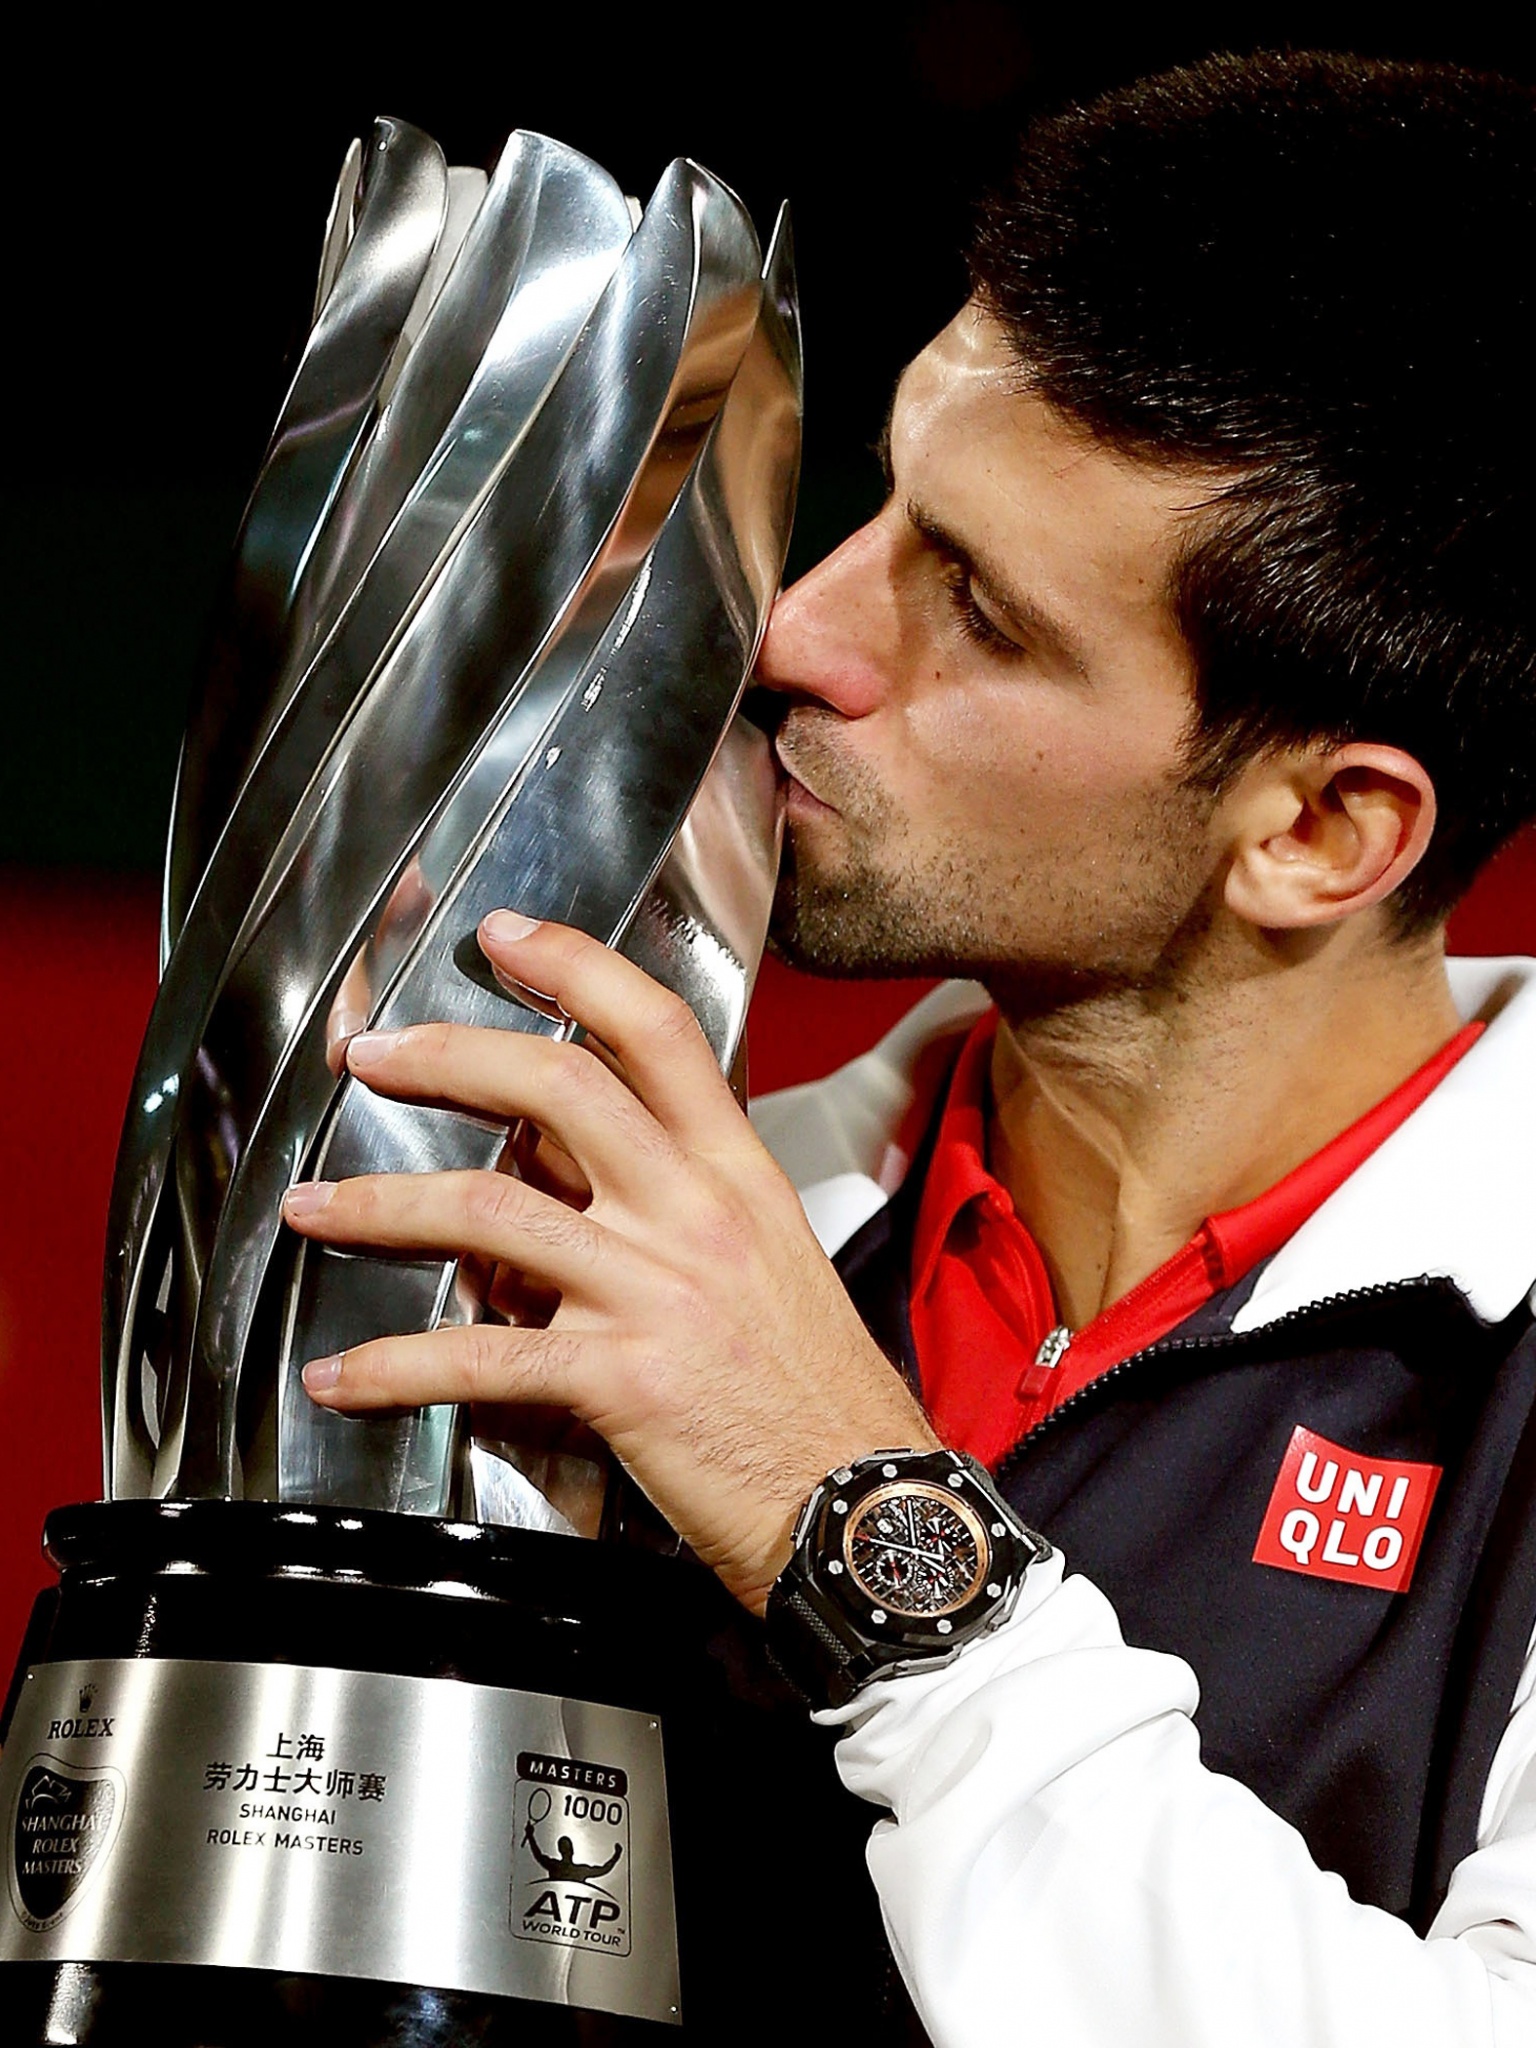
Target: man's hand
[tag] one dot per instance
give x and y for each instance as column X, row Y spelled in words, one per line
column 700, row 1328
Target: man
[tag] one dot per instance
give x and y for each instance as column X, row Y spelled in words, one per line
column 1177, row 690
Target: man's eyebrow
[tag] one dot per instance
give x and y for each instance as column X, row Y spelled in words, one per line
column 1031, row 619
column 883, row 439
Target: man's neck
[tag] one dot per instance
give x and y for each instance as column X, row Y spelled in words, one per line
column 1121, row 1123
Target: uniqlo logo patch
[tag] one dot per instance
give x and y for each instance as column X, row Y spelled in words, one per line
column 1337, row 1515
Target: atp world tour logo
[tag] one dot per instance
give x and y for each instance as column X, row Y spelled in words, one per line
column 64, row 1823
column 570, row 1857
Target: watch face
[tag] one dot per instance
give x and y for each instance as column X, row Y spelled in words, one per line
column 915, row 1549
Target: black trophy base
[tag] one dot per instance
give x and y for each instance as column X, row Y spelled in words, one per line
column 174, row 2006
column 774, row 1909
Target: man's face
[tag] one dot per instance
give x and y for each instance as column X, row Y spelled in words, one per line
column 989, row 702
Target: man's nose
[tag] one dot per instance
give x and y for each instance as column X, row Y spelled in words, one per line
column 831, row 635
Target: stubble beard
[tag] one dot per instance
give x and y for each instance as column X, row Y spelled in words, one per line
column 852, row 915
column 879, row 907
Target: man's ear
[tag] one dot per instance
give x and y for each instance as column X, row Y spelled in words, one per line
column 1319, row 835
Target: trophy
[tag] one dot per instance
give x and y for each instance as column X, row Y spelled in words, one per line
column 341, row 1726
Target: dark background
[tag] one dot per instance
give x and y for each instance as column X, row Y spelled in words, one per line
column 166, row 193
column 167, row 201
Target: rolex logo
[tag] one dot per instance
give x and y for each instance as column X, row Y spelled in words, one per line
column 87, row 1695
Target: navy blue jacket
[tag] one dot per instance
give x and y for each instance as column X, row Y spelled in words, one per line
column 1366, row 1718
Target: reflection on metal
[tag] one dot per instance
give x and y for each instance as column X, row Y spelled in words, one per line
column 493, row 661
column 701, row 928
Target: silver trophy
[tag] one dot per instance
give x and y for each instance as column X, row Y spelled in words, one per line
column 495, row 600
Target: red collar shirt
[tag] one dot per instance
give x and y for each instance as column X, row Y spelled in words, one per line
column 993, row 1356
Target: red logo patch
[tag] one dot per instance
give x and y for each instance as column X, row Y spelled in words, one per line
column 1337, row 1515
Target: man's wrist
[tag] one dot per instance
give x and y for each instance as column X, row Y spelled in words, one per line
column 898, row 1560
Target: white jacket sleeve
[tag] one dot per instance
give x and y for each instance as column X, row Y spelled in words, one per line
column 1061, row 1868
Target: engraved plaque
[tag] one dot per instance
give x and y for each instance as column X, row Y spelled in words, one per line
column 342, row 1823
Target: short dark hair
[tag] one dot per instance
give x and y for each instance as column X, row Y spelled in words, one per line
column 1313, row 274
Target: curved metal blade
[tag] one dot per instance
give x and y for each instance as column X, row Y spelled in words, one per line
column 324, row 416
column 563, row 225
column 339, row 223
column 323, row 584
column 540, row 249
column 553, row 540
column 702, row 928
column 467, row 187
column 626, row 757
column 456, row 425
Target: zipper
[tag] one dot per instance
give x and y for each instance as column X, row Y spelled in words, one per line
column 1054, row 1348
column 1167, row 1347
column 1036, row 1376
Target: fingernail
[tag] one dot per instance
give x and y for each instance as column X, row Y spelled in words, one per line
column 370, row 1047
column 321, row 1374
column 504, row 926
column 308, row 1197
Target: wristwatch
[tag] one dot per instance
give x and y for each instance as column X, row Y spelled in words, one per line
column 899, row 1560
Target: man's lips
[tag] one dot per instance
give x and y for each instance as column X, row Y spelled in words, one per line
column 798, row 795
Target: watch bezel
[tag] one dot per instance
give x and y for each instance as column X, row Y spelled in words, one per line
column 844, row 1497
column 829, row 1637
